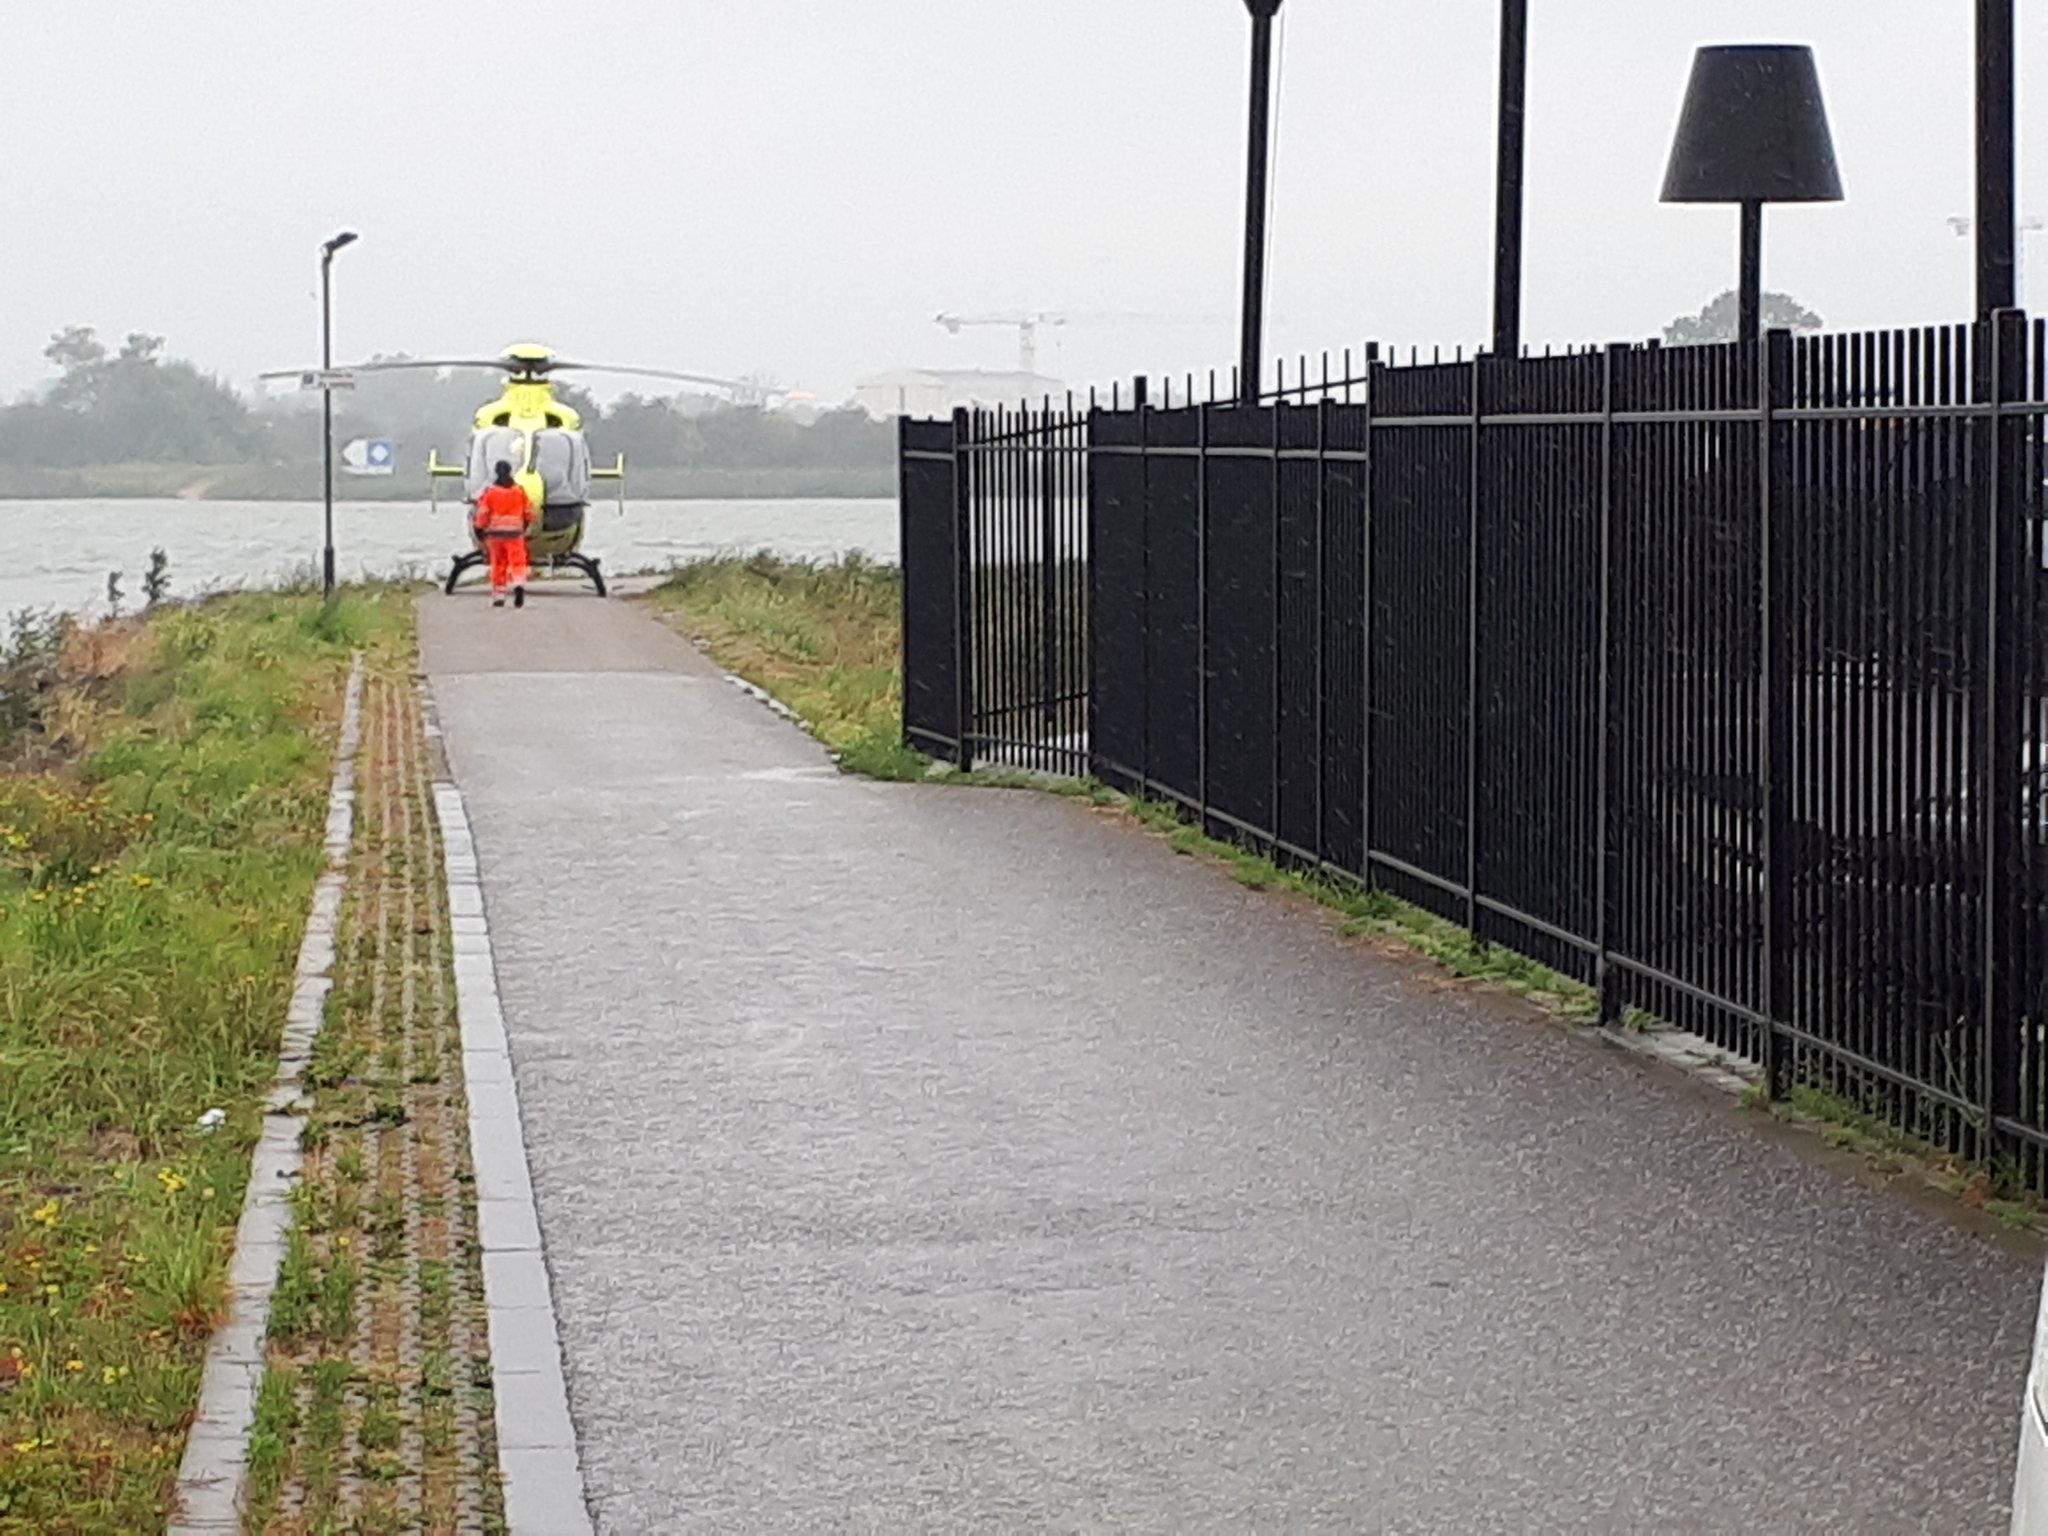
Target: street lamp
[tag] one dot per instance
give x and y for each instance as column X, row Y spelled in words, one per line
column 1251, row 348
column 1753, row 131
column 1507, row 189
column 327, row 250
column 1997, row 139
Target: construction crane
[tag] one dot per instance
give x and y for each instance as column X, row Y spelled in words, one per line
column 1027, row 323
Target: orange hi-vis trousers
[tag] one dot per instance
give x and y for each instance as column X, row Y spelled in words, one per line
column 508, row 561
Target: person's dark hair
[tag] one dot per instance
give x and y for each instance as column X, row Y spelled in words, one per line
column 504, row 469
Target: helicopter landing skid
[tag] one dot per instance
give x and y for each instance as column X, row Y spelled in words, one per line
column 587, row 564
column 468, row 560
column 462, row 563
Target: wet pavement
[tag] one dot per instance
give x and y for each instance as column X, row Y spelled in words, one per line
column 923, row 1158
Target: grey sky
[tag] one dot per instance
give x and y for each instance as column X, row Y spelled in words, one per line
column 798, row 186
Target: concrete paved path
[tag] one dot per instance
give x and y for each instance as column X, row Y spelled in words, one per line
column 913, row 1158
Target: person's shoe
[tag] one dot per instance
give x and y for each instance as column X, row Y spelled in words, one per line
column 519, row 597
column 497, row 602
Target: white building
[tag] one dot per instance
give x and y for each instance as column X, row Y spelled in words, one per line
column 933, row 392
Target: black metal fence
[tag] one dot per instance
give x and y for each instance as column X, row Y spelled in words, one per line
column 1710, row 676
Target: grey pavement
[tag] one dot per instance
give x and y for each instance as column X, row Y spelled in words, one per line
column 934, row 1159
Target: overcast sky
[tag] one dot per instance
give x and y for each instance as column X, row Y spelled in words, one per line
column 796, row 187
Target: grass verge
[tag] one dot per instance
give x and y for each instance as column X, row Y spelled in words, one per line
column 163, row 789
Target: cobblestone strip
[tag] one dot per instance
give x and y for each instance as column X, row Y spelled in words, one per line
column 543, row 1476
column 375, row 1412
column 215, row 1466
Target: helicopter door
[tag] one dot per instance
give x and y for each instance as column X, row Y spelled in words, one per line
column 486, row 449
column 562, row 460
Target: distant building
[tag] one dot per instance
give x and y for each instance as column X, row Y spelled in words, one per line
column 940, row 391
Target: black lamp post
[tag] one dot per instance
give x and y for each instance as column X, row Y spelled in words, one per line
column 1251, row 347
column 1997, row 245
column 1507, row 240
column 1753, row 131
column 327, row 250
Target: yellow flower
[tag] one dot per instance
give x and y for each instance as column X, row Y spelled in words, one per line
column 38, row 895
column 143, row 882
column 111, row 1374
column 92, row 1247
column 171, row 1181
column 74, row 1365
column 25, row 1446
column 28, row 1369
column 206, row 1193
column 3, row 1287
column 49, row 1290
column 46, row 1213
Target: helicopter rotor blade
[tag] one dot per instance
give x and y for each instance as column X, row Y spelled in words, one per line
column 653, row 373
column 500, row 363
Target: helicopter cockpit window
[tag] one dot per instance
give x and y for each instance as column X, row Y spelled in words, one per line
column 486, row 448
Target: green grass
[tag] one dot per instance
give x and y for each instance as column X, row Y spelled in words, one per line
column 162, row 802
column 270, row 1441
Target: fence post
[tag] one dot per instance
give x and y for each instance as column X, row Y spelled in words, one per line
column 1202, row 614
column 1367, row 571
column 1048, row 573
column 1324, row 409
column 1774, row 697
column 903, row 547
column 963, row 590
column 1273, row 631
column 1472, row 709
column 2000, row 785
column 1141, row 403
column 1603, row 879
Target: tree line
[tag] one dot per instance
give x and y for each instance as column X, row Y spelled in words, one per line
column 132, row 404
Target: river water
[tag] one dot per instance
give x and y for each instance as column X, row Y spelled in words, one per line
column 61, row 551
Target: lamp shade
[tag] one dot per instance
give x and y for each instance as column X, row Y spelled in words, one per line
column 1753, row 130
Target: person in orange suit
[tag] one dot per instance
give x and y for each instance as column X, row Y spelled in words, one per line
column 504, row 516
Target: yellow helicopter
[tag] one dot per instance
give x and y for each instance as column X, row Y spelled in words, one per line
column 542, row 438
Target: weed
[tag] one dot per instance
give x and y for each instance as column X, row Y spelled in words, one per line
column 156, row 581
column 297, row 1294
column 270, row 1440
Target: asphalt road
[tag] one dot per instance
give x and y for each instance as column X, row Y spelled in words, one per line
column 923, row 1158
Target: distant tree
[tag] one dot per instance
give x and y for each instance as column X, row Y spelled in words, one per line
column 1717, row 321
column 81, row 361
column 131, row 406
